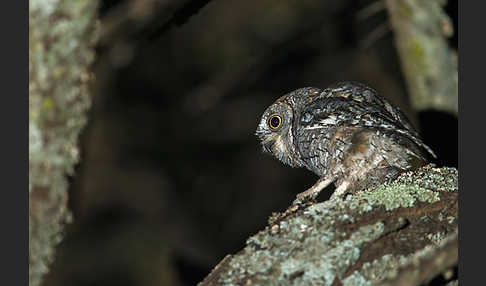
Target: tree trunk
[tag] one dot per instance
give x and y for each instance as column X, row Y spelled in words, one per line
column 61, row 40
column 429, row 65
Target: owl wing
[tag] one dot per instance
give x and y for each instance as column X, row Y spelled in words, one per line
column 361, row 93
column 350, row 110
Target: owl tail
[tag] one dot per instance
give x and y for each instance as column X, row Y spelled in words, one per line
column 417, row 141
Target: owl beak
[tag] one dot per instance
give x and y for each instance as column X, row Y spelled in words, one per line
column 268, row 146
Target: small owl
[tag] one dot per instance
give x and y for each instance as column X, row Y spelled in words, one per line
column 347, row 134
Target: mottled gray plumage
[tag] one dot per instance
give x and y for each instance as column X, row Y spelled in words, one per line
column 347, row 134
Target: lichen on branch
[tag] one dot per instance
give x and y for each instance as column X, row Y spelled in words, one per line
column 360, row 240
column 61, row 40
column 429, row 64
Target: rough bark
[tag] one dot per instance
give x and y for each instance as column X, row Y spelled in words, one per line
column 364, row 239
column 428, row 264
column 61, row 40
column 429, row 65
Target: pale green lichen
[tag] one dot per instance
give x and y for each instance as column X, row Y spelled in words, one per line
column 427, row 252
column 61, row 48
column 295, row 258
column 422, row 185
column 451, row 219
column 46, row 7
column 436, row 238
column 395, row 196
column 421, row 29
column 314, row 247
column 417, row 53
column 329, row 262
column 429, row 177
column 356, row 279
column 377, row 270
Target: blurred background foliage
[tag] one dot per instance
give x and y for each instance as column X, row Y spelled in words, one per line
column 172, row 177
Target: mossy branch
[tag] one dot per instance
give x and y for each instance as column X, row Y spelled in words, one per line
column 429, row 65
column 361, row 240
column 61, row 40
column 428, row 264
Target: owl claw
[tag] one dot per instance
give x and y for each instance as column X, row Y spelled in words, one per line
column 312, row 192
column 340, row 190
column 303, row 198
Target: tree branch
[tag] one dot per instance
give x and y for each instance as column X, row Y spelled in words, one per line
column 61, row 40
column 360, row 240
column 429, row 64
column 428, row 264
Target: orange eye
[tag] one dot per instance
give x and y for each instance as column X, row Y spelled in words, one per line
column 274, row 122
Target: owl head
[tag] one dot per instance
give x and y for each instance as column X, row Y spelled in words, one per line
column 276, row 127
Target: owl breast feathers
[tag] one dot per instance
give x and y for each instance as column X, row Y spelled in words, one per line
column 347, row 134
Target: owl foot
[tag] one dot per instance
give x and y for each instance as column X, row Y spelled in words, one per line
column 340, row 190
column 312, row 192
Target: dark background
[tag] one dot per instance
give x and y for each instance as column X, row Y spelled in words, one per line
column 172, row 177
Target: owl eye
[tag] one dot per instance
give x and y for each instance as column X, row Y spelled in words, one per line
column 274, row 122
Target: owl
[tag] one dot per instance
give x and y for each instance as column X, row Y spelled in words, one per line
column 347, row 134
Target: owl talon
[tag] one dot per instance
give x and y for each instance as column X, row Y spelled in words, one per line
column 340, row 191
column 302, row 198
column 312, row 192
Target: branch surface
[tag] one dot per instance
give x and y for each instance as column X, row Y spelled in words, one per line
column 429, row 65
column 61, row 39
column 362, row 240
